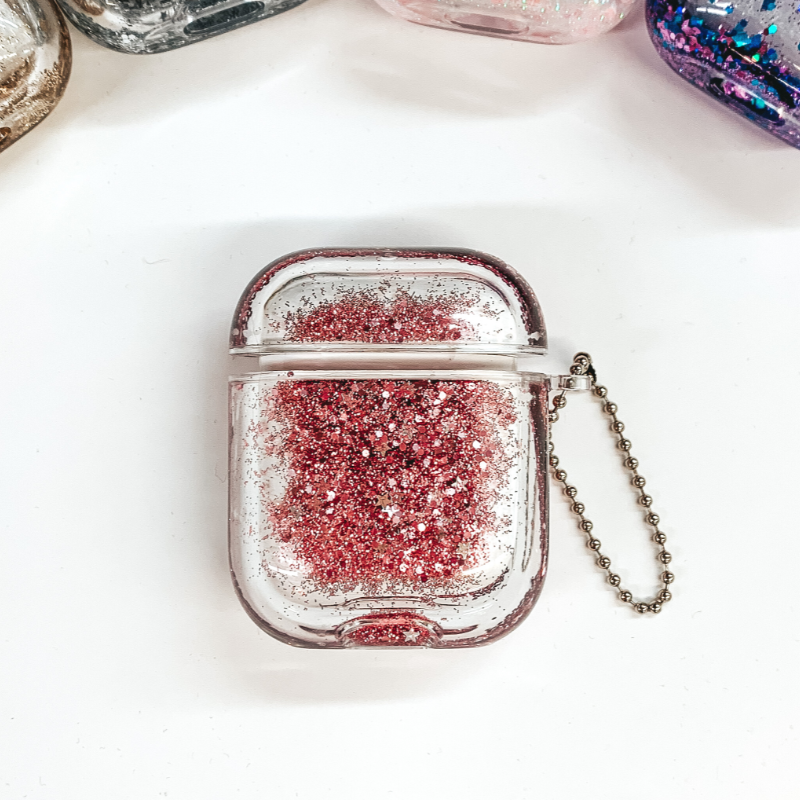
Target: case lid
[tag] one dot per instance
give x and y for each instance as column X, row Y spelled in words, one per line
column 388, row 299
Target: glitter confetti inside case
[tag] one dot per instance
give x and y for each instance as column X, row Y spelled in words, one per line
column 35, row 61
column 153, row 26
column 388, row 480
column 744, row 54
column 545, row 21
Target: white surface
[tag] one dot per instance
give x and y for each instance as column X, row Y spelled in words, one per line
column 659, row 232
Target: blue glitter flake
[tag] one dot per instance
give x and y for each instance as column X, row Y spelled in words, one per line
column 768, row 5
column 772, row 29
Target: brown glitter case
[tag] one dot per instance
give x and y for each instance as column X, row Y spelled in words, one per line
column 388, row 455
column 35, row 62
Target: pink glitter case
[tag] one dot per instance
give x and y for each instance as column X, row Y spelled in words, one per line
column 545, row 21
column 388, row 456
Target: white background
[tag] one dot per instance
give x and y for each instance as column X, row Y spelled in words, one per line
column 659, row 232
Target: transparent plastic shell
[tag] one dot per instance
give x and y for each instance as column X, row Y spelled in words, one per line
column 743, row 54
column 388, row 481
column 545, row 21
column 35, row 61
column 388, row 507
column 153, row 26
column 361, row 300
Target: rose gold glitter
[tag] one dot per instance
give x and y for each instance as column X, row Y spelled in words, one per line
column 364, row 317
column 417, row 513
column 390, row 630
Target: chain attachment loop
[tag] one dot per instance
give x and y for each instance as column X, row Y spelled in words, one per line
column 582, row 365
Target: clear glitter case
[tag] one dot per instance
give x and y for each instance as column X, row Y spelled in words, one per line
column 35, row 61
column 744, row 54
column 545, row 21
column 388, row 481
column 153, row 26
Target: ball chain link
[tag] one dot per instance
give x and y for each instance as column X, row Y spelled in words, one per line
column 582, row 365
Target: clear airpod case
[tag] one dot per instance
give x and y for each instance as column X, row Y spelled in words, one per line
column 743, row 54
column 153, row 26
column 544, row 21
column 35, row 62
column 388, row 453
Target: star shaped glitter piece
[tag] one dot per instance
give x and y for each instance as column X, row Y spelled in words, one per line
column 295, row 512
column 383, row 500
column 411, row 636
column 383, row 449
column 463, row 549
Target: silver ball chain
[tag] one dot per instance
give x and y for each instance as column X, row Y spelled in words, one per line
column 582, row 365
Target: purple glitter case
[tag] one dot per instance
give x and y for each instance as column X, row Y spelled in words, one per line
column 743, row 54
